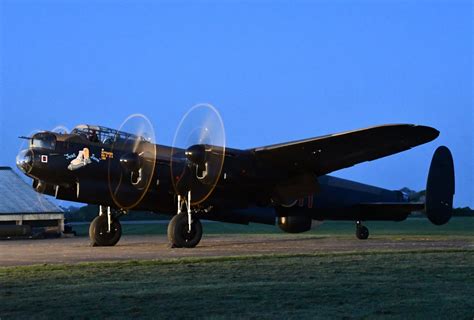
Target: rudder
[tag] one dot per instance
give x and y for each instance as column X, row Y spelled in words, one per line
column 440, row 187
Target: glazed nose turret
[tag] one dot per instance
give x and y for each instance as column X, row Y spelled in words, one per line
column 24, row 160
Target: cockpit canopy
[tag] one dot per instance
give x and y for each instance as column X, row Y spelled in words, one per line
column 103, row 135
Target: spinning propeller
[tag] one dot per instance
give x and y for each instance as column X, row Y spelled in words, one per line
column 135, row 146
column 196, row 158
column 61, row 129
column 197, row 154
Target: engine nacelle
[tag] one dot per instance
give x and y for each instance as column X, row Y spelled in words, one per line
column 295, row 224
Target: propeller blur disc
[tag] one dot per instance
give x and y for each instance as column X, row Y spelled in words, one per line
column 132, row 168
column 61, row 129
column 198, row 152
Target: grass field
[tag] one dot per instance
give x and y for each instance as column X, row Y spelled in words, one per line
column 378, row 285
column 385, row 284
column 415, row 227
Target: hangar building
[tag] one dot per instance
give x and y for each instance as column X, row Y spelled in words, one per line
column 23, row 211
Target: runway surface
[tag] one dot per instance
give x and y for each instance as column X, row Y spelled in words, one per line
column 150, row 247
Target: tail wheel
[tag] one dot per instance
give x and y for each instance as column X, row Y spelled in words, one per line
column 179, row 234
column 100, row 235
column 362, row 232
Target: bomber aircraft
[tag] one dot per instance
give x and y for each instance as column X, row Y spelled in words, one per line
column 198, row 177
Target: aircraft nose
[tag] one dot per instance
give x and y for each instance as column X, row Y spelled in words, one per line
column 24, row 160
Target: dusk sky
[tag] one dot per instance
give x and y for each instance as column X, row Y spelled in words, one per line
column 277, row 71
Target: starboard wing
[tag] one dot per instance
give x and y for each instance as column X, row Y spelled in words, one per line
column 325, row 154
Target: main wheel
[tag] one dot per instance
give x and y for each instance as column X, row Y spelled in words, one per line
column 99, row 235
column 362, row 232
column 179, row 235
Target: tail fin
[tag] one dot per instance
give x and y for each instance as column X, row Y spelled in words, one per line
column 440, row 187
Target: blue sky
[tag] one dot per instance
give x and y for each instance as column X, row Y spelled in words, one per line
column 276, row 70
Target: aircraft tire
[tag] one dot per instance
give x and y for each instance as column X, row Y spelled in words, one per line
column 178, row 234
column 362, row 232
column 98, row 232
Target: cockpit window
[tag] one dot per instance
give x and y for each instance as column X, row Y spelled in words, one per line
column 103, row 135
column 43, row 141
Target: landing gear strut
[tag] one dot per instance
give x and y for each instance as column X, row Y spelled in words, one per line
column 362, row 232
column 105, row 230
column 184, row 231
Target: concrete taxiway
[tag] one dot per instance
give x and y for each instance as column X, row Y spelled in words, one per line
column 150, row 247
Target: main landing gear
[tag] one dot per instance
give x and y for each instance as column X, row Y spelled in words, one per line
column 362, row 232
column 184, row 231
column 105, row 230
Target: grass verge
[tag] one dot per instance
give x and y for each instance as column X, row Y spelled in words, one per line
column 415, row 227
column 416, row 284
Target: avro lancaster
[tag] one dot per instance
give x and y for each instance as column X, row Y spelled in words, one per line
column 198, row 177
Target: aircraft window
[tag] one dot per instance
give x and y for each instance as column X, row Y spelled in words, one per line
column 102, row 134
column 43, row 142
column 93, row 136
column 108, row 140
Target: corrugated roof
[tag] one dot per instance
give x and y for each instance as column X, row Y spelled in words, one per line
column 16, row 196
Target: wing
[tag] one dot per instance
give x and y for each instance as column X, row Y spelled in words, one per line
column 333, row 152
